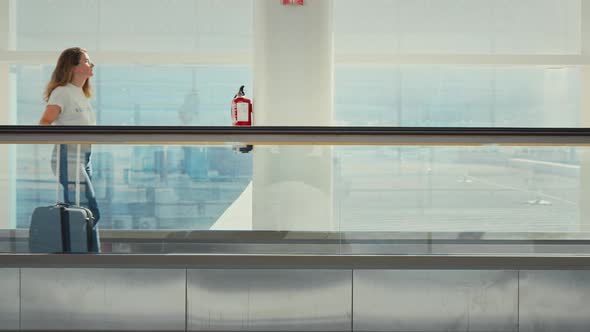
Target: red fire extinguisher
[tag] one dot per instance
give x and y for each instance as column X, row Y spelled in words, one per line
column 241, row 115
column 241, row 109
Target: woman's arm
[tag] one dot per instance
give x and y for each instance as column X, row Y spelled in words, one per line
column 51, row 113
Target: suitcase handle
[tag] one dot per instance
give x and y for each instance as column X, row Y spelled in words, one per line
column 78, row 175
column 58, row 172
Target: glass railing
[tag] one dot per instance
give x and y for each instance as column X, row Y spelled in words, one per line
column 311, row 190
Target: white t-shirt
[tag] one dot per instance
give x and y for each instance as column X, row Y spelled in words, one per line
column 75, row 107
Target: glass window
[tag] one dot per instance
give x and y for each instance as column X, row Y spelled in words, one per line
column 145, row 95
column 457, row 96
column 135, row 25
column 457, row 26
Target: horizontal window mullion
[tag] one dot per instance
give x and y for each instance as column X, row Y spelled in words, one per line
column 245, row 58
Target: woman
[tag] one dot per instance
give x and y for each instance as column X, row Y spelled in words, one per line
column 67, row 96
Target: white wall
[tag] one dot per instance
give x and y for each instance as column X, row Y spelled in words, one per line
column 7, row 116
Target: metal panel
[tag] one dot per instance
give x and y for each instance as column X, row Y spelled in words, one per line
column 269, row 300
column 554, row 301
column 103, row 299
column 431, row 300
column 9, row 299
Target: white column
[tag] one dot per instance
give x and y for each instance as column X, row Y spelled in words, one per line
column 7, row 112
column 293, row 86
column 585, row 121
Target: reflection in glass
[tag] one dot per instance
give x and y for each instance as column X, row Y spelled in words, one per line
column 144, row 187
column 376, row 188
column 458, row 189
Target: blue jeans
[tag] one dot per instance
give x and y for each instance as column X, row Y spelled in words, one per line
column 85, row 186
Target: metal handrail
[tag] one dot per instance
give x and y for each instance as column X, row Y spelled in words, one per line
column 283, row 135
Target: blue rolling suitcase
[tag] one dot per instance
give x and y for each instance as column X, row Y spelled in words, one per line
column 62, row 228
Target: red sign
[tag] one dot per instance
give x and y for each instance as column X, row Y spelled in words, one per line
column 293, row 2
